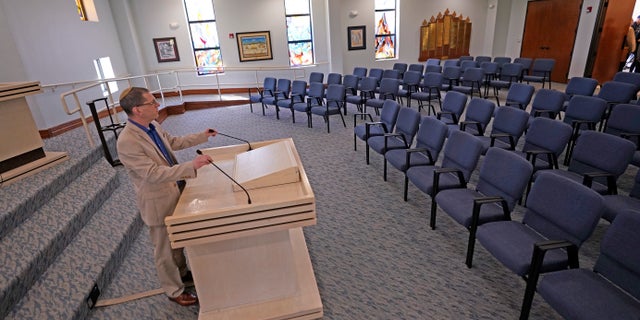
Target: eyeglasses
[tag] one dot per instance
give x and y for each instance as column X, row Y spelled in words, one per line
column 153, row 102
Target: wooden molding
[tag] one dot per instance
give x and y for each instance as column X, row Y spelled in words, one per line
column 164, row 112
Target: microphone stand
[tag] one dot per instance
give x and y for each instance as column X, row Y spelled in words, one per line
column 228, row 176
column 226, row 135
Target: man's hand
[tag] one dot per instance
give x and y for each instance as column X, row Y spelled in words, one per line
column 201, row 160
column 211, row 132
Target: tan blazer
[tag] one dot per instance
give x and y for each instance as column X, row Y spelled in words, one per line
column 154, row 181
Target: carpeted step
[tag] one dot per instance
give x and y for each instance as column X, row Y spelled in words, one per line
column 92, row 258
column 29, row 249
column 36, row 190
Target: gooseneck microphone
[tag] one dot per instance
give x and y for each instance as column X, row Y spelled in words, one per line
column 228, row 176
column 226, row 135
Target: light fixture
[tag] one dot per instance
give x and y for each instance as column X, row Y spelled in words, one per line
column 353, row 13
column 174, row 25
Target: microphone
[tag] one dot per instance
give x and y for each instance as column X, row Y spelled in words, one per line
column 226, row 135
column 228, row 176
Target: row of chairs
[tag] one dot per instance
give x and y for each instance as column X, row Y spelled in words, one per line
column 561, row 213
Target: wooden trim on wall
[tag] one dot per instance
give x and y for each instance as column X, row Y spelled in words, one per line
column 164, row 113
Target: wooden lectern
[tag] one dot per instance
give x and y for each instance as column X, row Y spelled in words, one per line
column 21, row 150
column 249, row 261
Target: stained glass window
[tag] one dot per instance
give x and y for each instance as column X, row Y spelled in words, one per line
column 299, row 35
column 204, row 36
column 385, row 30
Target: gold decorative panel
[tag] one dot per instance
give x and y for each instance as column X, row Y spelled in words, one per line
column 446, row 36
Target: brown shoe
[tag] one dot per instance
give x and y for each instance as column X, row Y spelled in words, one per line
column 185, row 299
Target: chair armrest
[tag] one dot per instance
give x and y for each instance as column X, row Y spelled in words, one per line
column 551, row 113
column 512, row 142
column 361, row 115
column 535, row 266
column 612, row 186
column 368, row 126
column 575, row 124
column 422, row 150
column 630, row 136
column 453, row 115
column 436, row 179
column 463, row 126
column 477, row 205
column 552, row 158
column 351, row 89
column 389, row 135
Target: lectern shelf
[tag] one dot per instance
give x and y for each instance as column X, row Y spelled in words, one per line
column 270, row 165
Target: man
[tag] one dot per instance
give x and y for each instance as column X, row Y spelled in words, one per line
column 146, row 151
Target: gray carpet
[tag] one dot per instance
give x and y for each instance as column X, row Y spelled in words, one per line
column 373, row 254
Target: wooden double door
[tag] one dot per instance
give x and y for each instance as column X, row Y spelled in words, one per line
column 550, row 32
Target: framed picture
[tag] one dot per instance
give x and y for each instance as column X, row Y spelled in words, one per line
column 254, row 46
column 357, row 37
column 166, row 49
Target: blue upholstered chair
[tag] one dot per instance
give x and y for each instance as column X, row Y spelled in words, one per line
column 509, row 74
column 334, row 78
column 579, row 86
column 350, row 83
column 366, row 91
column 388, row 91
column 429, row 141
column 401, row 67
column 432, row 62
column 597, row 161
column 508, row 126
column 391, row 73
column 450, row 77
column 471, row 81
column 334, row 103
column 360, row 72
column 316, row 77
column 501, row 183
column 481, row 59
column 386, row 124
column 526, row 65
column 460, row 157
column 315, row 98
column 614, row 93
column 628, row 77
column 452, row 107
column 540, row 71
column 611, row 290
column 582, row 113
column 417, row 67
column 519, row 95
column 624, row 121
column 451, row 63
column 545, row 140
column 268, row 87
column 490, row 70
column 297, row 95
column 617, row 203
column 433, row 68
column 410, row 85
column 402, row 136
column 559, row 211
column 476, row 118
column 466, row 64
column 283, row 88
column 546, row 103
column 429, row 91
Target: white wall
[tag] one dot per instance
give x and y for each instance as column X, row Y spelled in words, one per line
column 45, row 40
column 55, row 46
column 411, row 15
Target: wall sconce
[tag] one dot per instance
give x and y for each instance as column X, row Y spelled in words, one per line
column 353, row 13
column 174, row 25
